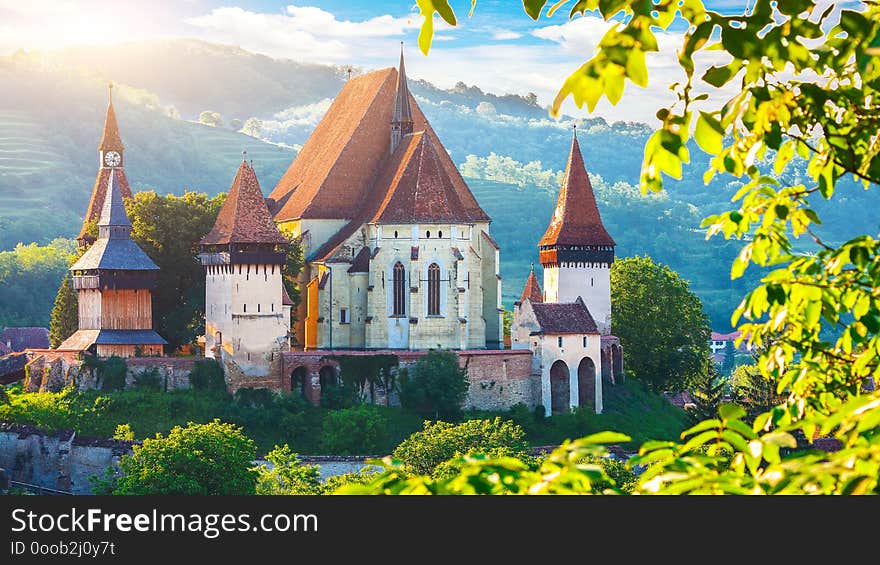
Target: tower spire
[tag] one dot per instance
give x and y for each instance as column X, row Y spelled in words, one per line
column 110, row 140
column 401, row 119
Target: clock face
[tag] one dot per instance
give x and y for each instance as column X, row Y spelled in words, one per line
column 112, row 159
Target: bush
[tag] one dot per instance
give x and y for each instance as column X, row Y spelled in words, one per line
column 149, row 380
column 110, row 372
column 354, row 431
column 207, row 375
column 255, row 397
column 424, row 452
column 287, row 475
column 338, row 396
column 200, row 459
column 362, row 477
column 435, row 386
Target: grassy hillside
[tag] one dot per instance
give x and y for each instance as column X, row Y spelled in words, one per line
column 50, row 125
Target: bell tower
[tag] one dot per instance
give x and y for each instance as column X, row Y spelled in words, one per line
column 576, row 250
column 110, row 159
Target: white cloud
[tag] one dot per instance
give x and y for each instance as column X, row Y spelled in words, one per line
column 505, row 35
column 302, row 32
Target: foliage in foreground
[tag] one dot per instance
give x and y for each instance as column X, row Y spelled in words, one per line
column 433, row 450
column 200, row 459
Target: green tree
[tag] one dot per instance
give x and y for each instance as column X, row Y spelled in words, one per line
column 729, row 361
column 65, row 313
column 660, row 323
column 286, row 474
column 210, row 118
column 28, row 273
column 199, row 459
column 360, row 430
column 753, row 391
column 708, row 394
column 252, row 127
column 435, row 385
column 427, row 451
column 168, row 228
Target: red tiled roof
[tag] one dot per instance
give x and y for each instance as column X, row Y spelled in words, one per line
column 564, row 318
column 19, row 339
column 334, row 174
column 99, row 194
column 244, row 217
column 532, row 290
column 576, row 219
column 110, row 140
column 416, row 188
column 361, row 262
column 725, row 337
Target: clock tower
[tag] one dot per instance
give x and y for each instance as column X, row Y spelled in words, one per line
column 110, row 159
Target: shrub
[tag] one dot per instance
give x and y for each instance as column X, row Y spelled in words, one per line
column 435, row 386
column 123, row 432
column 110, row 372
column 149, row 380
column 287, row 475
column 424, row 451
column 255, row 397
column 362, row 477
column 207, row 375
column 354, row 431
column 200, row 459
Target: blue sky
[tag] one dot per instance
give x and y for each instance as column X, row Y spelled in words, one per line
column 499, row 49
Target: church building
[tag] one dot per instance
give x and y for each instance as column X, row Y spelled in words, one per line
column 567, row 326
column 398, row 251
column 113, row 278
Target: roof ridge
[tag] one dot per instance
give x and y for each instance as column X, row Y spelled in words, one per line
column 347, row 144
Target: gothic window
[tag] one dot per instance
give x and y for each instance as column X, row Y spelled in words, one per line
column 399, row 289
column 434, row 290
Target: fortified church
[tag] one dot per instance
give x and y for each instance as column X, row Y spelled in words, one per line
column 399, row 259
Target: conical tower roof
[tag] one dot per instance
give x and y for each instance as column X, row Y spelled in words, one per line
column 110, row 140
column 244, row 218
column 532, row 290
column 113, row 213
column 576, row 220
column 114, row 248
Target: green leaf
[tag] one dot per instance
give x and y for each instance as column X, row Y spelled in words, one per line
column 729, row 411
column 709, row 134
column 606, row 437
column 533, row 7
column 719, row 76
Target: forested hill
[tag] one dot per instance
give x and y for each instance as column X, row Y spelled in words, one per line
column 52, row 112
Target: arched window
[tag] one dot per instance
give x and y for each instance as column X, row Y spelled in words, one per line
column 399, row 289
column 434, row 290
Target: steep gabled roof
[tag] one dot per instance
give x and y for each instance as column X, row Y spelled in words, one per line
column 361, row 261
column 244, row 217
column 576, row 219
column 334, row 174
column 532, row 290
column 564, row 318
column 416, row 187
column 114, row 249
column 99, row 194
